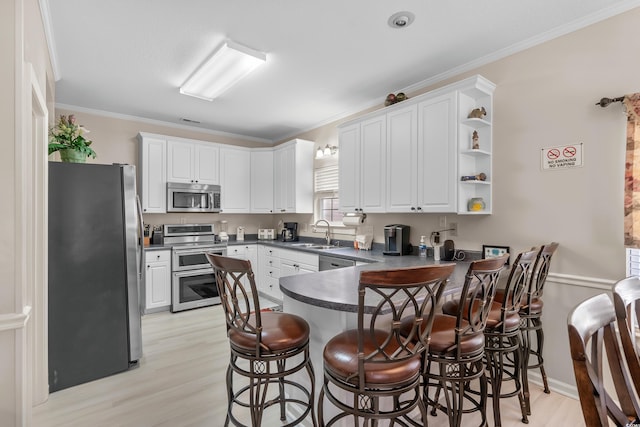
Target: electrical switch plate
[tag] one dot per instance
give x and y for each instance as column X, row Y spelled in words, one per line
column 453, row 229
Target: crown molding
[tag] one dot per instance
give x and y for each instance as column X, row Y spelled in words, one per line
column 160, row 123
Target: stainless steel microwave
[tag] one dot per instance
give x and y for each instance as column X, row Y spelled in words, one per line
column 192, row 197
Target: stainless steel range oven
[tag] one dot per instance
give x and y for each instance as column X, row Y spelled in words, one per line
column 193, row 284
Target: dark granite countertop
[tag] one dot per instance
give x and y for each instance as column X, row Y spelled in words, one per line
column 338, row 289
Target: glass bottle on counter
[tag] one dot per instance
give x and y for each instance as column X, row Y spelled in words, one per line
column 422, row 248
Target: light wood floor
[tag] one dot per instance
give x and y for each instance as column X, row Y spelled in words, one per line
column 181, row 383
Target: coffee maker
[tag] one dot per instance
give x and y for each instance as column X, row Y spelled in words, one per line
column 290, row 232
column 396, row 240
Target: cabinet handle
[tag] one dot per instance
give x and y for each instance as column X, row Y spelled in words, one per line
column 148, row 266
column 412, row 208
column 419, row 208
column 157, row 256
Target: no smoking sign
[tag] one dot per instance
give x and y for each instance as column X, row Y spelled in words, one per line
column 562, row 157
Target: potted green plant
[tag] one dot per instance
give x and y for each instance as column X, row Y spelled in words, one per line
column 67, row 137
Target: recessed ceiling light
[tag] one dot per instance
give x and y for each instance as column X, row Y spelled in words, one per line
column 401, row 19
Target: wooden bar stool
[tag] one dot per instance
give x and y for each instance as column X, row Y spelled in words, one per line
column 626, row 299
column 457, row 346
column 531, row 315
column 373, row 372
column 502, row 335
column 595, row 347
column 266, row 349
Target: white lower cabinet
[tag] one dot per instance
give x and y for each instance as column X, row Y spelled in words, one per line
column 246, row 252
column 296, row 262
column 269, row 262
column 157, row 280
column 276, row 263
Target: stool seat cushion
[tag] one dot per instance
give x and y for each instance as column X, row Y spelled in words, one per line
column 511, row 321
column 281, row 332
column 443, row 337
column 534, row 308
column 341, row 361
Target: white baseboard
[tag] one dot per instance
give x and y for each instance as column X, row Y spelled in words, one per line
column 555, row 386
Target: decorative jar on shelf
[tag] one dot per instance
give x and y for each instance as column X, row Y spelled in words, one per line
column 476, row 204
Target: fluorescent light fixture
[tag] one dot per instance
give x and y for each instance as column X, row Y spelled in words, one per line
column 222, row 70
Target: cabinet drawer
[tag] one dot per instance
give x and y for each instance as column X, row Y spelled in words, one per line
column 236, row 251
column 272, row 287
column 298, row 257
column 271, row 262
column 273, row 273
column 157, row 256
column 271, row 252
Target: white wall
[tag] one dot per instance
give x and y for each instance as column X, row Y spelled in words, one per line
column 25, row 68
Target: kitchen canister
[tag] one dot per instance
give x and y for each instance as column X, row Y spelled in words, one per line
column 475, row 204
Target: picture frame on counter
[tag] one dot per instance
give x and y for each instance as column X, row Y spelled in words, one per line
column 493, row 251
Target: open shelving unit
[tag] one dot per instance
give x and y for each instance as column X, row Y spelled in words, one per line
column 473, row 161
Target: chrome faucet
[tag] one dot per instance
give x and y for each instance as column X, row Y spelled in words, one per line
column 327, row 233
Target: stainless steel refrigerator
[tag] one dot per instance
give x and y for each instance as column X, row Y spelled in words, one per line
column 94, row 272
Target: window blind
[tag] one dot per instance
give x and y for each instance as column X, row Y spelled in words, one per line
column 326, row 178
column 633, row 262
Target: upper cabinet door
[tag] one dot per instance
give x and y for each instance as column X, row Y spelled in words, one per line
column 362, row 166
column 193, row 162
column 373, row 176
column 153, row 178
column 262, row 181
column 401, row 160
column 180, row 167
column 293, row 177
column 437, row 154
column 284, row 179
column 235, row 180
column 349, row 168
column 207, row 164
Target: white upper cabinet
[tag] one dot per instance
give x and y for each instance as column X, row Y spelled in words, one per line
column 293, row 177
column 235, row 179
column 436, row 157
column 152, row 176
column 402, row 151
column 192, row 162
column 262, row 180
column 429, row 155
column 362, row 165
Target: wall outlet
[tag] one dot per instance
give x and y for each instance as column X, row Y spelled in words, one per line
column 453, row 229
column 442, row 222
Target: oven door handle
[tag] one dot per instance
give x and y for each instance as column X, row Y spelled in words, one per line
column 180, row 252
column 197, row 272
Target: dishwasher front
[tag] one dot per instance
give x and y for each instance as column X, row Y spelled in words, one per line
column 327, row 262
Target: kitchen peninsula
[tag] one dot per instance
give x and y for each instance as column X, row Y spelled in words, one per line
column 328, row 300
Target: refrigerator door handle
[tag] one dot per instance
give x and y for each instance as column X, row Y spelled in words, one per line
column 140, row 250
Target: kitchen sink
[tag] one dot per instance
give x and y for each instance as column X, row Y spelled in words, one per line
column 314, row 246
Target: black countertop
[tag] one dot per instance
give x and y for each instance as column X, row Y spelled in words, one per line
column 338, row 289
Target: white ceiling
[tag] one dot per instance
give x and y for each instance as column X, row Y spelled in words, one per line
column 325, row 59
